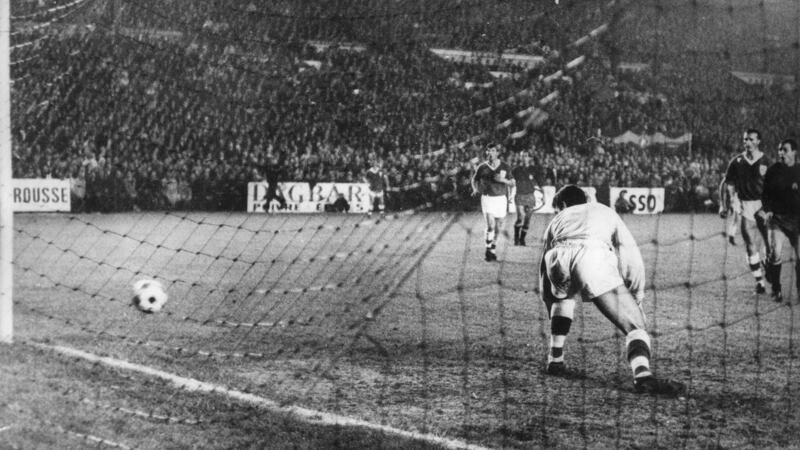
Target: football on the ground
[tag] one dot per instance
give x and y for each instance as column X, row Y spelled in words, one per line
column 149, row 296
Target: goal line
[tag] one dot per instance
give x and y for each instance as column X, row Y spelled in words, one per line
column 307, row 415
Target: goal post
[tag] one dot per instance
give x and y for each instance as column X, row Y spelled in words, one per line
column 6, row 207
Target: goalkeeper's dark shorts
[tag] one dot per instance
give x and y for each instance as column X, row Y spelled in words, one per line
column 789, row 224
column 526, row 200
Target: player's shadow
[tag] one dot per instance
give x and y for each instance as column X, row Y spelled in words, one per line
column 590, row 382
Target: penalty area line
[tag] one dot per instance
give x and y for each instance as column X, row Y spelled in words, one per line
column 306, row 415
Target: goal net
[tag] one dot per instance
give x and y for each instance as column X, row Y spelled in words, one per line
column 309, row 330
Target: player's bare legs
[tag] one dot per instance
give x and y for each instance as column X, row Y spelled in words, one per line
column 750, row 230
column 621, row 308
column 773, row 263
column 734, row 222
column 774, row 260
column 522, row 223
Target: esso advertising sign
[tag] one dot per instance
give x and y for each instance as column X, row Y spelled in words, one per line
column 640, row 200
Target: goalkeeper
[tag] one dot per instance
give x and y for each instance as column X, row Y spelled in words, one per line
column 588, row 251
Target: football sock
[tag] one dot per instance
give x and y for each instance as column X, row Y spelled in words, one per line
column 797, row 276
column 561, row 314
column 755, row 267
column 559, row 328
column 773, row 276
column 522, row 233
column 638, row 344
column 489, row 238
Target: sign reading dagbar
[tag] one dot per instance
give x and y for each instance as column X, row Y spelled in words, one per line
column 302, row 197
column 40, row 195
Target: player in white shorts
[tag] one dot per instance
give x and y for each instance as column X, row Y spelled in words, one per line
column 590, row 253
column 744, row 180
column 492, row 181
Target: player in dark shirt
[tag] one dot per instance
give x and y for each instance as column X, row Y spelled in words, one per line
column 492, row 181
column 744, row 180
column 378, row 182
column 525, row 192
column 273, row 172
column 781, row 213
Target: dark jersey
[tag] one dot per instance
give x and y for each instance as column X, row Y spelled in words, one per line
column 484, row 179
column 375, row 179
column 782, row 189
column 273, row 174
column 747, row 177
column 526, row 179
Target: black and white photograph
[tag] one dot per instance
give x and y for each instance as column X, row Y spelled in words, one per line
column 399, row 224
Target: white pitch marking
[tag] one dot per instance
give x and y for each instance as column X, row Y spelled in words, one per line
column 305, row 414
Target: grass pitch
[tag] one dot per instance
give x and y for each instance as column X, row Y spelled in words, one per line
column 397, row 322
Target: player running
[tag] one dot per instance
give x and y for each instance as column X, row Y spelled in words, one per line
column 744, row 180
column 378, row 183
column 781, row 213
column 524, row 194
column 491, row 180
column 589, row 252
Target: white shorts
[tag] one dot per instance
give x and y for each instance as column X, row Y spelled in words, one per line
column 375, row 196
column 749, row 209
column 587, row 268
column 494, row 205
column 736, row 205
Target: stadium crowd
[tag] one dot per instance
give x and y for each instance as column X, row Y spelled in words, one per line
column 186, row 113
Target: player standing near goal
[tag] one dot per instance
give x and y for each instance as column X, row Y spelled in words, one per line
column 491, row 180
column 732, row 215
column 524, row 196
column 274, row 173
column 744, row 180
column 589, row 252
column 781, row 213
column 378, row 183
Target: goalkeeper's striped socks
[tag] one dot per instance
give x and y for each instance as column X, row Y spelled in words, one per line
column 754, row 261
column 638, row 345
column 559, row 328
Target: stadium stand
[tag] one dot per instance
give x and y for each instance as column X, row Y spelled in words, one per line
column 182, row 110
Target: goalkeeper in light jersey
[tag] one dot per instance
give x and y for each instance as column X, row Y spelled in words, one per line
column 589, row 252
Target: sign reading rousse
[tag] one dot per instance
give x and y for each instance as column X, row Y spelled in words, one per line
column 40, row 195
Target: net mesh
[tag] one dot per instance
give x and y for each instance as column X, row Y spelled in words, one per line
column 396, row 322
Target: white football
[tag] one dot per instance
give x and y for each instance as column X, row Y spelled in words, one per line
column 149, row 296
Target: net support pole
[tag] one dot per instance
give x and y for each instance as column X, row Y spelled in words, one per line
column 6, row 207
